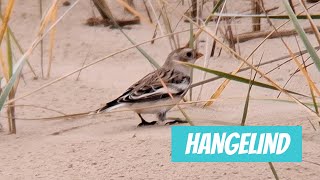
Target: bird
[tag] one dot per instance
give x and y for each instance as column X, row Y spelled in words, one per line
column 160, row 90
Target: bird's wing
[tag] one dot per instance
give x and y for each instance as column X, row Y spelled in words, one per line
column 150, row 87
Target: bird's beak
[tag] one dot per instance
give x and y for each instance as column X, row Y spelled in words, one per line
column 198, row 55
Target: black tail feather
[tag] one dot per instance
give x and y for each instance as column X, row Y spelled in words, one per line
column 107, row 106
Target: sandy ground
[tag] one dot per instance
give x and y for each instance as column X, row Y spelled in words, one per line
column 110, row 146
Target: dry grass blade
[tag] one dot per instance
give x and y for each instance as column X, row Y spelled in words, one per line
column 46, row 19
column 148, row 12
column 41, row 43
column 9, row 54
column 303, row 70
column 4, row 67
column 52, row 38
column 43, row 24
column 157, row 18
column 309, row 83
column 305, row 67
column 89, row 113
column 181, row 110
column 206, row 57
column 299, row 16
column 38, row 107
column 274, row 172
column 6, row 18
column 216, row 7
column 313, row 25
column 167, row 25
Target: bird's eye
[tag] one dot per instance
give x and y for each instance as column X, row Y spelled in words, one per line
column 189, row 54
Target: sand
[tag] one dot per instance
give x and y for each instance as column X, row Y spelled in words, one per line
column 110, row 146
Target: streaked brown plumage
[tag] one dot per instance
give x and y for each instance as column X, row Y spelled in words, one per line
column 149, row 91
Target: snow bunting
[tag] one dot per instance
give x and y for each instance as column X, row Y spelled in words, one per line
column 150, row 96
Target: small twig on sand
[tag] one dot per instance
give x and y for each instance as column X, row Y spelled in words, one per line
column 105, row 13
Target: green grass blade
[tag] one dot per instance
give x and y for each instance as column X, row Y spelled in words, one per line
column 238, row 78
column 314, row 101
column 302, row 34
column 246, row 106
column 16, row 72
column 146, row 55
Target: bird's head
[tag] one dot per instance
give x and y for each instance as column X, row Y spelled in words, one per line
column 177, row 56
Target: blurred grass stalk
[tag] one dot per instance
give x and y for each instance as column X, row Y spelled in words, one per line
column 41, row 43
column 167, row 24
column 53, row 18
column 256, row 21
column 207, row 55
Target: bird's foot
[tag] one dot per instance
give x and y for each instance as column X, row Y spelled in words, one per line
column 176, row 121
column 145, row 123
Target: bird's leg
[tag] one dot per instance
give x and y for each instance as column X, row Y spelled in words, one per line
column 144, row 122
column 176, row 121
column 162, row 116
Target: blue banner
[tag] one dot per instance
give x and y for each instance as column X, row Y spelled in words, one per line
column 236, row 143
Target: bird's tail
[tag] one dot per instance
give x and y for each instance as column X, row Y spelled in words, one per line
column 110, row 105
